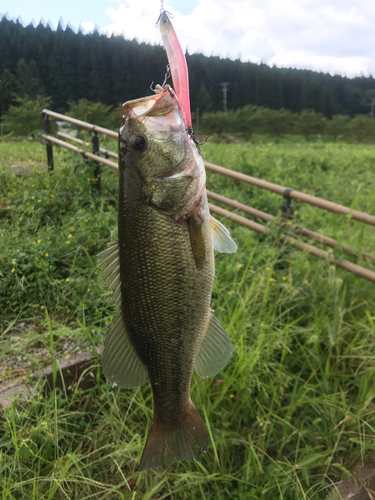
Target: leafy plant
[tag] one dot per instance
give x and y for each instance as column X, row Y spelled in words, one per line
column 24, row 118
column 291, row 414
column 95, row 112
column 254, row 120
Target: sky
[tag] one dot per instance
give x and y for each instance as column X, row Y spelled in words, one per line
column 333, row 36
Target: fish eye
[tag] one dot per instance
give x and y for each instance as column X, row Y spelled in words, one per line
column 139, row 143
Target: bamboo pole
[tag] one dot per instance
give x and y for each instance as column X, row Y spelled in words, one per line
column 89, row 126
column 240, row 206
column 320, row 238
column 81, row 151
column 316, row 252
column 112, row 154
column 307, row 198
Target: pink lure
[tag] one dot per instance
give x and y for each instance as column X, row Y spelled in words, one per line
column 178, row 66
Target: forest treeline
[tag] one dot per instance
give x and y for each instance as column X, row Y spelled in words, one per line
column 24, row 118
column 36, row 61
column 250, row 120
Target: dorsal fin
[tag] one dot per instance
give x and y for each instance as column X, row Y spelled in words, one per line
column 121, row 364
column 110, row 264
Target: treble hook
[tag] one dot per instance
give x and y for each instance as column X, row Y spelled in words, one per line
column 190, row 132
column 158, row 87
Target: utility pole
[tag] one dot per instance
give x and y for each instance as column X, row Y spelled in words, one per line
column 372, row 107
column 224, row 88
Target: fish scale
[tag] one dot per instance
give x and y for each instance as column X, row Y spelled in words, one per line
column 179, row 316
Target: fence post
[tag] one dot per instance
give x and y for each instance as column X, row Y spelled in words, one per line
column 286, row 206
column 47, row 128
column 96, row 150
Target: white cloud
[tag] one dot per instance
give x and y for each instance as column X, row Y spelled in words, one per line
column 134, row 19
column 88, row 26
column 334, row 36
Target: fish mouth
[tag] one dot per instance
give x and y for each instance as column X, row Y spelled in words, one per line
column 159, row 104
column 159, row 114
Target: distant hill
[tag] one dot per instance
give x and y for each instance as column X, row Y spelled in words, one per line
column 67, row 65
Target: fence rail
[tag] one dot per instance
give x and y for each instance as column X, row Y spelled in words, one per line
column 255, row 226
column 275, row 188
column 320, row 238
column 103, row 151
column 297, row 195
column 79, row 123
column 83, row 152
column 361, row 271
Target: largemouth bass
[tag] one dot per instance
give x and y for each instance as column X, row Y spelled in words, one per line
column 161, row 270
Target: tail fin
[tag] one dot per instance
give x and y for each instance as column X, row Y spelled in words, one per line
column 167, row 445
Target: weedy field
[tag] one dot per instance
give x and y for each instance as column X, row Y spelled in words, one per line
column 293, row 411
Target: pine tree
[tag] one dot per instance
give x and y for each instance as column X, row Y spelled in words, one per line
column 9, row 88
column 71, row 66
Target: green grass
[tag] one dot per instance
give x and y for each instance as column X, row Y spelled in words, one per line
column 291, row 413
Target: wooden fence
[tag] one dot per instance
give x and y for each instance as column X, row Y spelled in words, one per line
column 287, row 193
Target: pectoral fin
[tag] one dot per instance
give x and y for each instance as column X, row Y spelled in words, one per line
column 221, row 237
column 215, row 351
column 198, row 245
column 121, row 364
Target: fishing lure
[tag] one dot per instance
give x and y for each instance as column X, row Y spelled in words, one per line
column 177, row 65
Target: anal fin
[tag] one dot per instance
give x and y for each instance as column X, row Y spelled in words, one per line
column 121, row 364
column 215, row 351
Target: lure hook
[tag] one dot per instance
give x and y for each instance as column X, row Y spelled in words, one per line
column 167, row 75
column 190, row 132
column 162, row 12
column 158, row 87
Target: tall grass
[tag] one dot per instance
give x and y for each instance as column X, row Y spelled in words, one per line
column 292, row 412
